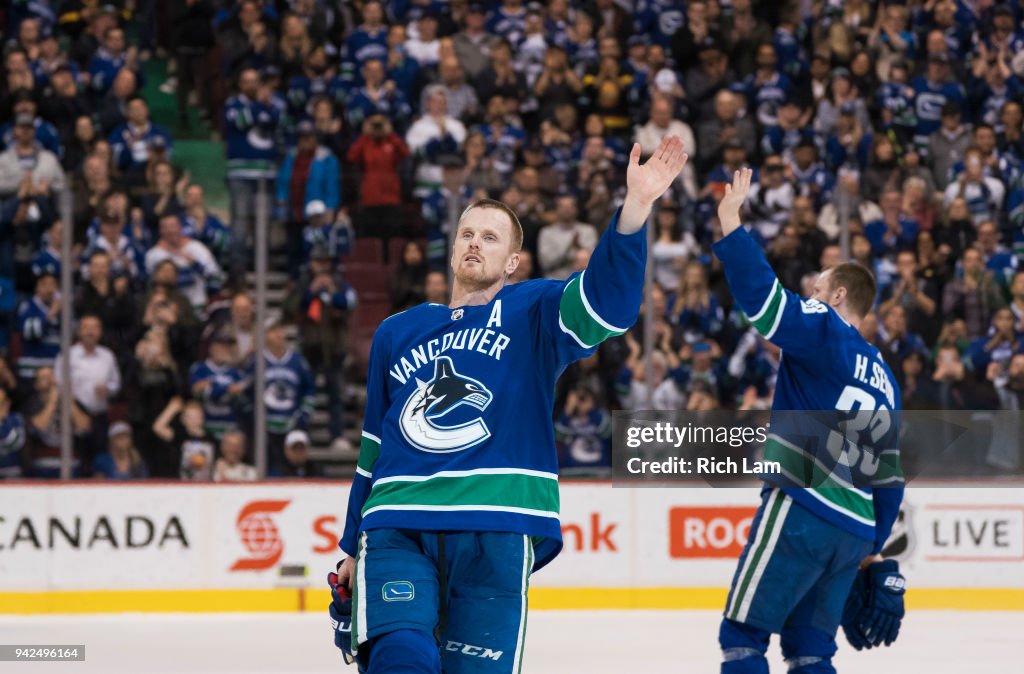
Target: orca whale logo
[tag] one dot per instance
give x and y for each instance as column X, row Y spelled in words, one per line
column 433, row 400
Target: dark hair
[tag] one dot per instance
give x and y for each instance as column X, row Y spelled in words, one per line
column 859, row 284
column 517, row 228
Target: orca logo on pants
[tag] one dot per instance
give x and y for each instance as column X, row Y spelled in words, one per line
column 435, row 399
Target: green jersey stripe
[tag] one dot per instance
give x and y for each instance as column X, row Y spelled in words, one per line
column 764, row 320
column 843, row 501
column 369, row 450
column 577, row 317
column 527, row 492
column 804, row 467
column 771, row 515
column 827, row 488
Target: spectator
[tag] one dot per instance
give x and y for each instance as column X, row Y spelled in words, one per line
column 28, row 167
column 231, row 467
column 42, row 410
column 726, row 127
column 310, row 173
column 771, row 200
column 672, row 246
column 436, row 287
column 46, row 135
column 407, row 285
column 369, row 39
column 251, row 123
column 122, row 460
column 983, row 194
column 989, row 355
column 500, row 78
column 95, row 381
column 199, row 223
column 193, row 42
column 322, row 307
column 471, row 43
column 138, row 141
column 378, row 153
column 425, row 47
column 378, row 97
column 933, row 91
column 39, row 325
column 12, row 439
column 461, row 97
column 558, row 242
column 199, row 275
column 894, row 230
column 1017, row 299
column 695, row 310
column 217, row 383
column 661, row 124
column 919, row 391
column 583, row 435
column 182, row 430
column 110, row 59
column 297, row 463
column 973, row 296
column 948, row 143
column 918, row 296
column 288, row 393
column 897, row 341
column 433, row 135
column 125, row 255
column 701, row 81
column 163, row 194
column 152, row 381
column 109, row 298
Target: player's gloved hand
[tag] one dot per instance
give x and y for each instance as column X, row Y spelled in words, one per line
column 341, row 619
column 883, row 612
column 855, row 603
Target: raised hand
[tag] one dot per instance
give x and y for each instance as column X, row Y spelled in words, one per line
column 735, row 195
column 645, row 183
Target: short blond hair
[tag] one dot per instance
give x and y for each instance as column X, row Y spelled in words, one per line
column 517, row 228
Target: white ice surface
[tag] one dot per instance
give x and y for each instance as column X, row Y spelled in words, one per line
column 558, row 642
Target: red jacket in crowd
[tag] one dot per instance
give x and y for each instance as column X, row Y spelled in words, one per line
column 379, row 159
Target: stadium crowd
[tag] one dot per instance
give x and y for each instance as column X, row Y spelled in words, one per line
column 366, row 125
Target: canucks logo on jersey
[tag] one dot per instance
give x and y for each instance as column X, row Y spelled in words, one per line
column 433, row 401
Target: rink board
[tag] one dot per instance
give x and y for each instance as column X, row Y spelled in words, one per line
column 98, row 547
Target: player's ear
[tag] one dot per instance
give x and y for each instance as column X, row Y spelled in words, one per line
column 838, row 296
column 512, row 264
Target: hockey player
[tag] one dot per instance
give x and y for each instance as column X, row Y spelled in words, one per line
column 811, row 535
column 455, row 501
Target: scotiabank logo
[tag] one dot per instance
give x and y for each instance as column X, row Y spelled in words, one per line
column 259, row 535
column 708, row 532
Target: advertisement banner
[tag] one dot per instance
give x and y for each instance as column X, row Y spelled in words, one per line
column 271, row 535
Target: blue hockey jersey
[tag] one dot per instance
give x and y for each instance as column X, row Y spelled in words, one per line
column 458, row 431
column 826, row 365
column 251, row 137
column 40, row 337
column 12, row 440
column 288, row 392
column 219, row 410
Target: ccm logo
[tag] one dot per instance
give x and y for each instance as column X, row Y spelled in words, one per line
column 474, row 651
column 708, row 532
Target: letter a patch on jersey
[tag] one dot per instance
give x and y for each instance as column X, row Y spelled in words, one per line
column 447, row 393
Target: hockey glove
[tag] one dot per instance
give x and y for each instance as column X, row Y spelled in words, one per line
column 883, row 611
column 341, row 620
